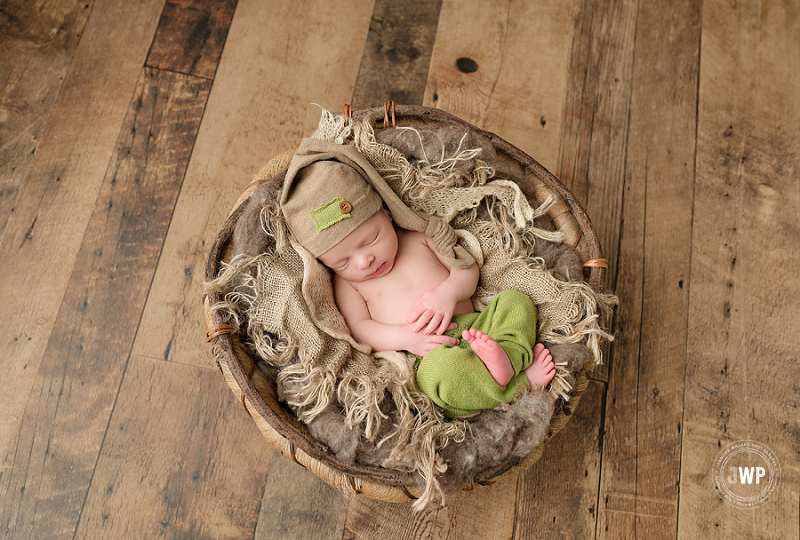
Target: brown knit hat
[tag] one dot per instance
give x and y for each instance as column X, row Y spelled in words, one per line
column 330, row 189
column 326, row 201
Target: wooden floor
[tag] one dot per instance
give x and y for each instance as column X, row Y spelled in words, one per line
column 128, row 129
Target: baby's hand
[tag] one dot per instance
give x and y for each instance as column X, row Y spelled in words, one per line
column 422, row 344
column 433, row 311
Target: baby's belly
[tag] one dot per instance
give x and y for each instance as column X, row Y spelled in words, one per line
column 416, row 271
column 393, row 305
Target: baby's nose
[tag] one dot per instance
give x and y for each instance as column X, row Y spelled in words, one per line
column 366, row 260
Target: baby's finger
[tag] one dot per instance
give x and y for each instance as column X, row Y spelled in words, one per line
column 445, row 340
column 445, row 326
column 416, row 311
column 433, row 324
column 423, row 319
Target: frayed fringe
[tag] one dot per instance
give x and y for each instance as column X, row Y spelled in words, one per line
column 513, row 217
column 363, row 400
column 421, row 436
column 308, row 392
column 560, row 387
column 332, row 127
column 586, row 323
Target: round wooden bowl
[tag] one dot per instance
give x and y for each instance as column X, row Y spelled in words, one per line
column 259, row 397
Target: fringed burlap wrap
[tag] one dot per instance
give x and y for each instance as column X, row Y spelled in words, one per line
column 284, row 300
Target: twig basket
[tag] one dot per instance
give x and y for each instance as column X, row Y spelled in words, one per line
column 259, row 398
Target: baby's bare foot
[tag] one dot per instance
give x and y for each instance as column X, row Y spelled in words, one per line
column 542, row 369
column 492, row 355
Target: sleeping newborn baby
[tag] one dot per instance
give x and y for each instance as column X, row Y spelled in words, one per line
column 396, row 291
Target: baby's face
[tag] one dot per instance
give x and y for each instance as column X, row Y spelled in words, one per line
column 366, row 253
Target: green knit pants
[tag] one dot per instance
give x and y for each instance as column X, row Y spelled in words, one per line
column 457, row 380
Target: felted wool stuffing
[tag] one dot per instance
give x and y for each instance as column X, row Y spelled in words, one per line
column 364, row 406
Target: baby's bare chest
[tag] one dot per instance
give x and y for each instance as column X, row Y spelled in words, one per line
column 416, row 271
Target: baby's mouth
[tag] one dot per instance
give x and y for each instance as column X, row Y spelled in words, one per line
column 378, row 272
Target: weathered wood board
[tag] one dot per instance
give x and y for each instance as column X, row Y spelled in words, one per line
column 190, row 36
column 59, row 192
column 50, row 466
column 297, row 504
column 498, row 82
column 592, row 148
column 397, row 55
column 639, row 490
column 557, row 496
column 37, row 44
column 743, row 351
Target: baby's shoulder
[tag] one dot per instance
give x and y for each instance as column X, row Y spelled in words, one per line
column 417, row 246
column 343, row 287
column 406, row 236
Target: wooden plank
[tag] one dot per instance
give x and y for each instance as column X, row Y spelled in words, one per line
column 298, row 505
column 743, row 347
column 370, row 519
column 641, row 458
column 37, row 43
column 484, row 512
column 60, row 189
column 591, row 160
column 591, row 153
column 620, row 433
column 190, row 36
column 558, row 494
column 503, row 67
column 398, row 53
column 270, row 73
column 180, row 460
column 50, row 464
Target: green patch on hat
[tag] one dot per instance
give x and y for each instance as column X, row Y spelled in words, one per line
column 330, row 213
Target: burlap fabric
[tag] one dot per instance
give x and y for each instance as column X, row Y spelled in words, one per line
column 284, row 300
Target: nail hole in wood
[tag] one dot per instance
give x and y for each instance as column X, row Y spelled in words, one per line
column 466, row 65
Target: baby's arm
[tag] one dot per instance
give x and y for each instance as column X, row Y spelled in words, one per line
column 434, row 309
column 380, row 336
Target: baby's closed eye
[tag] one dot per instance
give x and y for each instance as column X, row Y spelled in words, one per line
column 373, row 240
